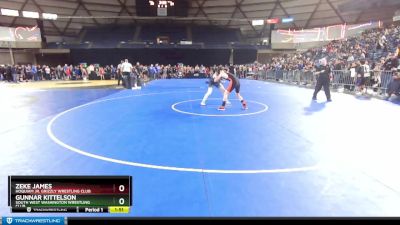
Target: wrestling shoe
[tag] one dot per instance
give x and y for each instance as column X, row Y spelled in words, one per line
column 221, row 108
column 203, row 103
column 244, row 105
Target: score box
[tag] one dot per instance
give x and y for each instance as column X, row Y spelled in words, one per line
column 91, row 194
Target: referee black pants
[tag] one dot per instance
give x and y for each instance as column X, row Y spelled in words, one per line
column 323, row 81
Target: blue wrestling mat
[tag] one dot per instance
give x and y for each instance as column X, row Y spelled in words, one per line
column 284, row 156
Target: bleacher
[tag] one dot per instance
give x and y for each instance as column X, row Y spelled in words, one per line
column 214, row 35
column 109, row 34
column 108, row 37
column 152, row 32
column 122, row 37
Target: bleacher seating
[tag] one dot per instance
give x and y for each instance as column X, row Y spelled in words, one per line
column 151, row 32
column 109, row 34
column 214, row 35
column 122, row 37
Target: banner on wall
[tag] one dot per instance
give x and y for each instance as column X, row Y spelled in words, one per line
column 20, row 37
column 320, row 34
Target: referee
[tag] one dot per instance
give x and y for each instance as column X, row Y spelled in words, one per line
column 126, row 68
column 323, row 71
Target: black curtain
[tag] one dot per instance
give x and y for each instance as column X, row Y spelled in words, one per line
column 53, row 59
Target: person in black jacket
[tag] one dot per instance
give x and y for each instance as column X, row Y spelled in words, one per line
column 138, row 74
column 9, row 73
column 2, row 72
column 119, row 74
column 323, row 71
column 390, row 63
column 15, row 70
column 360, row 76
column 232, row 69
column 394, row 86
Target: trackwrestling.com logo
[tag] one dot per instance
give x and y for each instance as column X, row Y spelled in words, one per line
column 33, row 220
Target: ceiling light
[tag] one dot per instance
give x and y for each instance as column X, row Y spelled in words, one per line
column 49, row 16
column 9, row 12
column 30, row 14
column 257, row 22
column 287, row 20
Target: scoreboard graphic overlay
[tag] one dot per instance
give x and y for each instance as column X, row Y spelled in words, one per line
column 74, row 194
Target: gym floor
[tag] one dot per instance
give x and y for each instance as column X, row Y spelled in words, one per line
column 284, row 156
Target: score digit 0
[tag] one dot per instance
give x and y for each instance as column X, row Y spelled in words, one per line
column 121, row 188
column 121, row 201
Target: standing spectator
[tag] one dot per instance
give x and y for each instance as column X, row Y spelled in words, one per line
column 145, row 74
column 202, row 71
column 338, row 65
column 9, row 73
column 14, row 71
column 90, row 72
column 28, row 70
column 113, row 72
column 68, row 72
column 2, row 72
column 53, row 73
column 107, row 72
column 164, row 72
column 134, row 78
column 232, row 69
column 96, row 70
column 39, row 72
column 360, row 80
column 84, row 72
column 58, row 72
column 367, row 74
column 394, row 86
column 47, row 72
column 376, row 77
column 152, row 71
column 353, row 77
column 101, row 73
column 391, row 62
column 34, row 73
column 158, row 71
column 138, row 74
column 22, row 73
column 119, row 72
column 71, row 68
column 65, row 71
column 77, row 73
